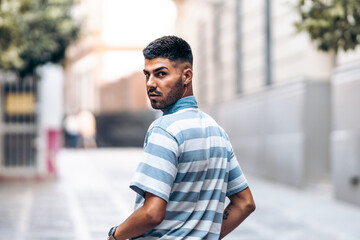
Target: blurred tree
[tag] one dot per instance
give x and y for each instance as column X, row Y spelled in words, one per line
column 332, row 24
column 34, row 32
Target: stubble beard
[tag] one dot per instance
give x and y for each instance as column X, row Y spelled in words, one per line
column 174, row 95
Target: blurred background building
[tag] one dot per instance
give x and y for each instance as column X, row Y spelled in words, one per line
column 104, row 68
column 33, row 34
column 30, row 126
column 291, row 110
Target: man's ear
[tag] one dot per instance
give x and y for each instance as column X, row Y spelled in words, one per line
column 187, row 76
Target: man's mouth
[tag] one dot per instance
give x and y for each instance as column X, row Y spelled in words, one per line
column 153, row 96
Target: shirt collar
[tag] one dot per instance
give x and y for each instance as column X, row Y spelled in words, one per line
column 182, row 103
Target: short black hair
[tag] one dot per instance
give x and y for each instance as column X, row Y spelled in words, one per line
column 170, row 47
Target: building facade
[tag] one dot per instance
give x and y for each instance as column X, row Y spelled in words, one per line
column 103, row 72
column 109, row 52
column 31, row 111
column 281, row 100
column 18, row 126
column 345, row 135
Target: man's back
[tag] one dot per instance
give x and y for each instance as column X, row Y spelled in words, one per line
column 188, row 166
column 189, row 162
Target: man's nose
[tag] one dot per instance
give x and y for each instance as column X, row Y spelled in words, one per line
column 151, row 82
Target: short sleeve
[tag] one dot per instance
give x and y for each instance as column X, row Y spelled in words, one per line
column 236, row 181
column 158, row 167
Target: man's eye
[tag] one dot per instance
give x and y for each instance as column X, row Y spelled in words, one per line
column 161, row 74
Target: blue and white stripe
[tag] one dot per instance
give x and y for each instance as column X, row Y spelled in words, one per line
column 189, row 162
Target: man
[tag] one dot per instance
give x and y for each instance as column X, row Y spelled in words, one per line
column 188, row 166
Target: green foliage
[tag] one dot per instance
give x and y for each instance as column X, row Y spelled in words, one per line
column 332, row 24
column 33, row 32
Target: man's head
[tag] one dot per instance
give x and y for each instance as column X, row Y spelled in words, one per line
column 170, row 47
column 168, row 71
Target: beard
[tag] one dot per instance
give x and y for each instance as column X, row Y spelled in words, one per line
column 174, row 95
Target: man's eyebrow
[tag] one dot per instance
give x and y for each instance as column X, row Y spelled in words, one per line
column 156, row 70
column 160, row 68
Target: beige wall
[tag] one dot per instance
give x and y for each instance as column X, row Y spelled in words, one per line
column 128, row 94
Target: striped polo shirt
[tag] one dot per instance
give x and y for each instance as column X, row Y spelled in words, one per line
column 189, row 162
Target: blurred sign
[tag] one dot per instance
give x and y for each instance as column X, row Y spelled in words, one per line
column 20, row 104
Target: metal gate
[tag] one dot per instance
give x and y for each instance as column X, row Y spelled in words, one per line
column 18, row 126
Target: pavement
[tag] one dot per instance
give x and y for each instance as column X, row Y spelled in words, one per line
column 91, row 194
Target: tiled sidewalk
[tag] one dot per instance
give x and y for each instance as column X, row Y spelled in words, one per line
column 91, row 194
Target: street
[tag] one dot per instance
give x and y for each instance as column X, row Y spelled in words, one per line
column 91, row 194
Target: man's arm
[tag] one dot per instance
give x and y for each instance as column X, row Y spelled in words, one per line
column 143, row 219
column 240, row 207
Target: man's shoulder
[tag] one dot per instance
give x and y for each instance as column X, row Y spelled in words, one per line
column 162, row 123
column 174, row 118
column 186, row 118
column 211, row 122
column 175, row 122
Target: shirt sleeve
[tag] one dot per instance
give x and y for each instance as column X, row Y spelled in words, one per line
column 158, row 167
column 237, row 181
